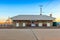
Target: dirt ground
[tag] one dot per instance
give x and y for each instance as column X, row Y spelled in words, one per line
column 29, row 34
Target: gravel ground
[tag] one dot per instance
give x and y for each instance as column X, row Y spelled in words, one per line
column 29, row 34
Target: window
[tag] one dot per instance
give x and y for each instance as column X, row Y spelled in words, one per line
column 48, row 24
column 17, row 24
column 24, row 24
column 40, row 24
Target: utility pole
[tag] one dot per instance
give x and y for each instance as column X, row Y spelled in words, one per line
column 41, row 9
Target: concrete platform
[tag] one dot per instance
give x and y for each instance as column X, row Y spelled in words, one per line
column 29, row 34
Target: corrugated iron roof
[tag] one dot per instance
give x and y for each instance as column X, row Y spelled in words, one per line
column 32, row 17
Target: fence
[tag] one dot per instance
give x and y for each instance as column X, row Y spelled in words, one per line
column 6, row 25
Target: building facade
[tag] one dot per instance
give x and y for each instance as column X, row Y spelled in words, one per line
column 32, row 21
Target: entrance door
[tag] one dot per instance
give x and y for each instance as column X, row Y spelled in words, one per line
column 17, row 24
column 45, row 24
column 33, row 23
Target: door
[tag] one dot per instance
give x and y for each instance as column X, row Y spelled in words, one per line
column 45, row 24
column 40, row 24
column 48, row 24
column 17, row 24
column 33, row 23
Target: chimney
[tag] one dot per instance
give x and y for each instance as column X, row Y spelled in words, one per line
column 40, row 14
column 50, row 15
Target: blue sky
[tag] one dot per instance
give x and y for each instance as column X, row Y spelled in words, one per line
column 10, row 8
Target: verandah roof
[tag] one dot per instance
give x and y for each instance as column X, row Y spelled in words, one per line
column 32, row 17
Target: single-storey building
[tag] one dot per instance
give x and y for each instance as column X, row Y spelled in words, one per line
column 32, row 21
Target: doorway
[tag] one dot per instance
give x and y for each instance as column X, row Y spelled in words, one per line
column 45, row 24
column 33, row 24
